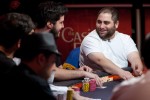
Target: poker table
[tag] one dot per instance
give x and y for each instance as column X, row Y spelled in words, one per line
column 100, row 93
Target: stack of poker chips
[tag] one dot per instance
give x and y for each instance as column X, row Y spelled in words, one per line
column 69, row 94
column 85, row 85
column 92, row 83
column 88, row 85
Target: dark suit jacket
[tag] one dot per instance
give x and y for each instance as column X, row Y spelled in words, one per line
column 23, row 84
column 6, row 64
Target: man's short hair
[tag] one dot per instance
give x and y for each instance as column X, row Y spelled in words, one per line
column 49, row 11
column 14, row 26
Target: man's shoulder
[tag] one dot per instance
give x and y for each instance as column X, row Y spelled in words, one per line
column 92, row 32
column 92, row 35
column 134, row 88
column 122, row 34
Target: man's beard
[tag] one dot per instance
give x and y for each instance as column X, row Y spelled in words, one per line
column 109, row 34
column 54, row 32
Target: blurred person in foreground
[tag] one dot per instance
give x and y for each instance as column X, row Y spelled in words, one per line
column 38, row 53
column 29, row 79
column 136, row 88
column 108, row 50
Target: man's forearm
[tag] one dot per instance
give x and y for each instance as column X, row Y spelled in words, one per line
column 63, row 74
column 135, row 60
column 113, row 69
column 106, row 64
column 109, row 66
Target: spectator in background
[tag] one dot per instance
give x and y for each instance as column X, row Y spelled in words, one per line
column 14, row 4
column 19, row 6
column 108, row 50
column 136, row 88
column 13, row 28
column 8, row 6
column 49, row 17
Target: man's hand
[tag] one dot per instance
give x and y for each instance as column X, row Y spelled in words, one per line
column 138, row 70
column 125, row 75
column 99, row 81
column 77, row 96
column 86, row 68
